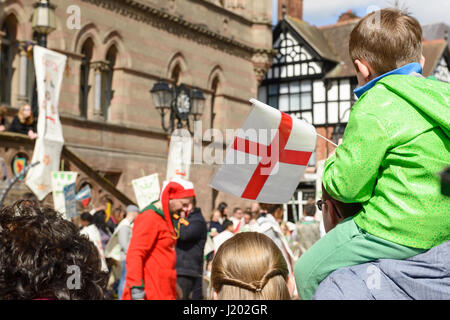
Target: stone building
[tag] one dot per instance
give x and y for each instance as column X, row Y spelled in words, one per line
column 115, row 55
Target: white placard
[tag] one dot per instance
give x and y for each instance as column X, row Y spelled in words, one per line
column 146, row 189
column 60, row 179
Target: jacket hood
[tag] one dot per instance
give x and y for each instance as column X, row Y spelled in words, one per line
column 430, row 97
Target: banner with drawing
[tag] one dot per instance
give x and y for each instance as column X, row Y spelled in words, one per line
column 146, row 190
column 59, row 180
column 180, row 153
column 49, row 67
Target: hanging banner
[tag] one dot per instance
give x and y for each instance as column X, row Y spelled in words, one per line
column 49, row 67
column 180, row 153
column 60, row 179
column 146, row 190
column 70, row 202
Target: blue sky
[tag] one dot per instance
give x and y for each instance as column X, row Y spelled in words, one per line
column 324, row 12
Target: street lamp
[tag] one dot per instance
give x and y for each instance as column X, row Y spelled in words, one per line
column 43, row 21
column 179, row 102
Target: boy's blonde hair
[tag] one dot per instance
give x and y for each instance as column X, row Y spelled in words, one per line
column 387, row 39
column 249, row 266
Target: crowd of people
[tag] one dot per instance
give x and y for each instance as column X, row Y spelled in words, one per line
column 386, row 232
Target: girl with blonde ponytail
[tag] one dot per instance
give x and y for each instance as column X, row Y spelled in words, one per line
column 249, row 266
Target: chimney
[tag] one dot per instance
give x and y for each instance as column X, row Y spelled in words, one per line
column 348, row 15
column 294, row 8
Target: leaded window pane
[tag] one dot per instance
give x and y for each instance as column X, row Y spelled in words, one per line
column 284, row 88
column 290, row 70
column 273, row 101
column 319, row 91
column 305, row 85
column 344, row 90
column 295, row 102
column 284, row 102
column 307, row 116
column 297, row 70
column 333, row 92
column 276, row 72
column 294, row 87
column 333, row 112
column 305, row 100
column 273, row 89
column 319, row 113
column 262, row 94
column 283, row 72
column 304, row 68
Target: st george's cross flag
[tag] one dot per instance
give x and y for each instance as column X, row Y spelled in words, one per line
column 268, row 156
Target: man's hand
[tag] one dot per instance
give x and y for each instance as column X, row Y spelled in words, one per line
column 179, row 293
column 213, row 233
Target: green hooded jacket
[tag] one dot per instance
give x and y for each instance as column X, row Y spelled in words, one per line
column 396, row 142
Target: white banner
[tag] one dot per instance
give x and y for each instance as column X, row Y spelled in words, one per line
column 60, row 179
column 179, row 161
column 49, row 74
column 146, row 190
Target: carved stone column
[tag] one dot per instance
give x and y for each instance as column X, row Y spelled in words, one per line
column 2, row 34
column 262, row 61
column 23, row 73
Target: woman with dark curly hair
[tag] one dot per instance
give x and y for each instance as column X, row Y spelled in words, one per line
column 44, row 257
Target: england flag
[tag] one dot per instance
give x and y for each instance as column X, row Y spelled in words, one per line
column 268, row 156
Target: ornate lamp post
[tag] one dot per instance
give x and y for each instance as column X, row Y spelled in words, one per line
column 179, row 102
column 43, row 21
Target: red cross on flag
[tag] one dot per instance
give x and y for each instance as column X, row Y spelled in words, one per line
column 268, row 156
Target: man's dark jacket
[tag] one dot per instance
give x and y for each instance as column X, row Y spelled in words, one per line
column 190, row 245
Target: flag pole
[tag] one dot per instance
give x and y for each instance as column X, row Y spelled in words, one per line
column 334, row 144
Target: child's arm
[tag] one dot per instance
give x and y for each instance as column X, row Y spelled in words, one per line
column 350, row 175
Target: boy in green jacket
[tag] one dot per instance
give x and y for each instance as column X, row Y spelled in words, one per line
column 396, row 142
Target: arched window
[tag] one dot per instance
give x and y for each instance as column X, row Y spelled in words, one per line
column 214, row 88
column 86, row 51
column 176, row 74
column 8, row 37
column 111, row 57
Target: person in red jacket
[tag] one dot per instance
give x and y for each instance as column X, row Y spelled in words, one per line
column 151, row 256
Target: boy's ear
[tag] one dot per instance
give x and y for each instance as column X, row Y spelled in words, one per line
column 422, row 61
column 363, row 68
